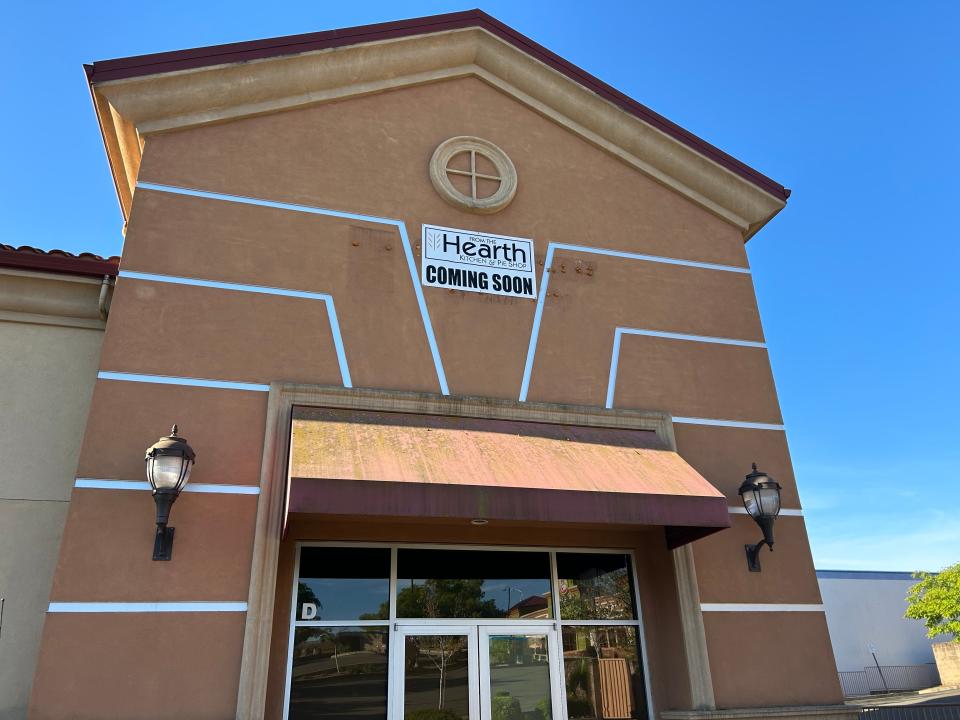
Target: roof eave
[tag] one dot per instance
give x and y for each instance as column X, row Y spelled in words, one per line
column 114, row 83
column 55, row 261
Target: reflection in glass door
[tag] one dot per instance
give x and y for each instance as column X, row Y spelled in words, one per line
column 475, row 672
column 437, row 633
column 439, row 678
column 516, row 681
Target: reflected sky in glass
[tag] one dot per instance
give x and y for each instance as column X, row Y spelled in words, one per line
column 344, row 598
column 508, row 594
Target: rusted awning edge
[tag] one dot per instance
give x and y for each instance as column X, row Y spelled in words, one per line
column 684, row 517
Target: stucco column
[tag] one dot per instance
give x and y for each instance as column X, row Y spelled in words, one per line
column 694, row 636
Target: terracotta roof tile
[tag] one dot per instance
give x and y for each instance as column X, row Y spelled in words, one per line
column 27, row 257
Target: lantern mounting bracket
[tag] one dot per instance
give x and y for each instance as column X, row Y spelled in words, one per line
column 163, row 543
column 753, row 555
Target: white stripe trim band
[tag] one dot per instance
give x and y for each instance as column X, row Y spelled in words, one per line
column 649, row 258
column 761, row 607
column 192, row 382
column 728, row 423
column 694, row 338
column 398, row 224
column 545, row 281
column 326, row 298
column 145, row 607
column 219, row 285
column 783, row 511
column 104, row 484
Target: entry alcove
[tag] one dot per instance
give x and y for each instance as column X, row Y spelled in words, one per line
column 380, row 538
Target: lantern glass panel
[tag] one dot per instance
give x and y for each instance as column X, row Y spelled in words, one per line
column 751, row 501
column 769, row 500
column 165, row 471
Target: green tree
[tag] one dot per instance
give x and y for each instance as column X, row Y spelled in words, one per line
column 441, row 598
column 305, row 594
column 501, row 650
column 605, row 596
column 505, row 707
column 431, row 715
column 936, row 601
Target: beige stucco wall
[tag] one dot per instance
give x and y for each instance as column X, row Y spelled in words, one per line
column 947, row 655
column 50, row 336
column 370, row 155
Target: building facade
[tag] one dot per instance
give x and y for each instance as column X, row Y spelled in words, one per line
column 53, row 308
column 468, row 348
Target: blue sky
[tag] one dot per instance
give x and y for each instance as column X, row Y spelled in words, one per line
column 855, row 106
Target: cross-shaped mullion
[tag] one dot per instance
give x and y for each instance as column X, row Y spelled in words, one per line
column 473, row 174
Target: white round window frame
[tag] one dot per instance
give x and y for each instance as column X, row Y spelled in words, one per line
column 464, row 144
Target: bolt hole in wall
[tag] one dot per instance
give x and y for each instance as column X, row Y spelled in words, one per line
column 440, row 633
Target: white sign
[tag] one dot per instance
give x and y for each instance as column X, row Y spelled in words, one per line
column 477, row 262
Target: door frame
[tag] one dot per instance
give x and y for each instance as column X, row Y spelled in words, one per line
column 554, row 662
column 478, row 634
column 396, row 676
column 550, row 626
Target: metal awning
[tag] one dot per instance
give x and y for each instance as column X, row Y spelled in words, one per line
column 362, row 463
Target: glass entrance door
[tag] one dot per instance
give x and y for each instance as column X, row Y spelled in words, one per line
column 438, row 678
column 517, row 681
column 475, row 672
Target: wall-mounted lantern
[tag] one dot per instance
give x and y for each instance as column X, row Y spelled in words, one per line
column 761, row 497
column 169, row 461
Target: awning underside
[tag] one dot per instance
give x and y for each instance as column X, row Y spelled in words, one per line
column 363, row 463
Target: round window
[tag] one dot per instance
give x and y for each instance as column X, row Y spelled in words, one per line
column 473, row 174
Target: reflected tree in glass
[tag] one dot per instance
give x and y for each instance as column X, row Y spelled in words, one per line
column 306, row 596
column 339, row 673
column 501, row 650
column 519, row 677
column 473, row 584
column 595, row 587
column 603, row 672
column 440, row 598
column 439, row 661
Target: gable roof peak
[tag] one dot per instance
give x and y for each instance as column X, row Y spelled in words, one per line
column 149, row 93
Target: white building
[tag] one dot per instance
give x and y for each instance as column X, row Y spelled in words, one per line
column 865, row 611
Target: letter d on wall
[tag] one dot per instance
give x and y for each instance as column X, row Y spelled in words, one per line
column 308, row 611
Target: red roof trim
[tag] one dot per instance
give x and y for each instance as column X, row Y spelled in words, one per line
column 57, row 261
column 141, row 65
